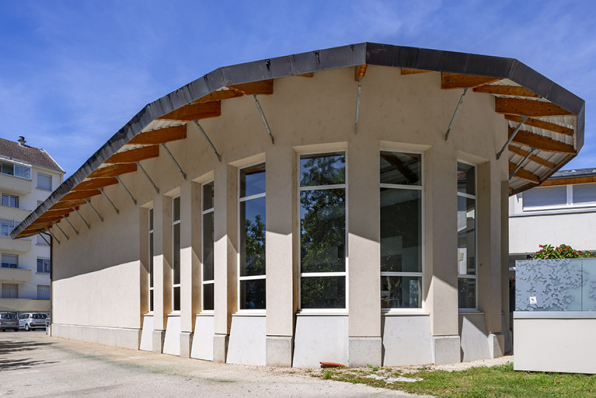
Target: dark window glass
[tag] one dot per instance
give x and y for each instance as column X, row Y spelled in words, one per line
column 252, row 237
column 177, row 298
column 323, row 292
column 401, row 168
column 466, row 178
column 323, row 230
column 151, row 219
column 466, row 293
column 151, row 300
column 208, row 196
column 400, row 291
column 401, row 230
column 252, row 294
column 208, row 293
column 176, row 204
column 208, row 246
column 466, row 234
column 324, row 169
column 176, row 265
column 7, row 168
column 252, row 180
column 43, row 265
column 151, row 259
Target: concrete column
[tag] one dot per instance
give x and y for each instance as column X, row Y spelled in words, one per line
column 364, row 275
column 505, row 304
column 440, row 273
column 159, row 311
column 226, row 255
column 143, row 261
column 281, row 273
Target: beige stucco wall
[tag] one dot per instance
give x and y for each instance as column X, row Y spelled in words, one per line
column 97, row 273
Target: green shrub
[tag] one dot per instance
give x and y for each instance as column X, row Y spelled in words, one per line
column 562, row 251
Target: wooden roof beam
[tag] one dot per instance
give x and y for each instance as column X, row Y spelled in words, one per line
column 134, row 155
column 411, row 71
column 95, row 183
column 523, row 174
column 80, row 194
column 533, row 158
column 156, row 137
column 114, row 170
column 451, row 81
column 541, row 142
column 524, row 107
column 541, row 124
column 359, row 72
column 218, row 96
column 501, row 89
column 569, row 181
column 306, row 74
column 263, row 87
column 191, row 112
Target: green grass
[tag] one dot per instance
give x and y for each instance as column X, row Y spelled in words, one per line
column 497, row 381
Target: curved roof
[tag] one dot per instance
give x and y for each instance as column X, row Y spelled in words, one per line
column 551, row 135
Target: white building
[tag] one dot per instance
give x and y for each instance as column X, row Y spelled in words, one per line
column 27, row 177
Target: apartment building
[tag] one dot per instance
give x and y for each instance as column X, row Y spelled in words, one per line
column 27, row 177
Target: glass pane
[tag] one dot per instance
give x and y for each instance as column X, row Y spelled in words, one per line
column 584, row 193
column 323, row 292
column 151, row 300
column 208, row 292
column 466, row 293
column 324, row 169
column 547, row 196
column 401, row 230
column 176, row 298
column 208, row 196
column 466, row 178
column 176, row 205
column 252, row 237
column 252, row 294
column 7, row 168
column 10, row 260
column 22, row 171
column 150, row 219
column 208, row 247
column 44, row 182
column 151, row 259
column 176, row 265
column 323, row 231
column 401, row 168
column 400, row 291
column 252, row 180
column 466, row 236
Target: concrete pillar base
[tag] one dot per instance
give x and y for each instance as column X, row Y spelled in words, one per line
column 446, row 349
column 279, row 350
column 158, row 339
column 364, row 351
column 496, row 345
column 220, row 347
column 185, row 344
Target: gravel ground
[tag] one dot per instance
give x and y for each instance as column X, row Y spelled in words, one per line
column 34, row 365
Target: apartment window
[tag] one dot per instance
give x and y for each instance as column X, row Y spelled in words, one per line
column 7, row 168
column 10, row 261
column 151, row 288
column 10, row 290
column 43, row 265
column 208, row 247
column 10, row 200
column 6, row 227
column 43, row 292
column 323, row 230
column 560, row 197
column 16, row 170
column 401, row 230
column 466, row 235
column 176, row 254
column 44, row 181
column 252, row 238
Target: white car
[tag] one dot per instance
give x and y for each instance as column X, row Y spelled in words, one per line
column 32, row 320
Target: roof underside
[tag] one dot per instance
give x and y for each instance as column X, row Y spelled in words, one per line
column 551, row 135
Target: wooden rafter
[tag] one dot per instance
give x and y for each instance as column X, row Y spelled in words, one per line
column 359, row 72
column 218, row 96
column 533, row 158
column 134, row 155
column 524, row 174
column 263, row 87
column 541, row 142
column 67, row 204
column 95, row 183
column 459, row 80
column 501, row 89
column 156, row 137
column 541, row 124
column 569, row 181
column 58, row 212
column 306, row 75
column 113, row 171
column 524, row 107
column 411, row 71
column 81, row 194
column 191, row 112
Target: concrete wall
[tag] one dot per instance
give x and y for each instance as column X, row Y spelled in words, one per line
column 101, row 274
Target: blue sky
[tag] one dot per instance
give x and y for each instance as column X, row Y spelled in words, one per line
column 73, row 72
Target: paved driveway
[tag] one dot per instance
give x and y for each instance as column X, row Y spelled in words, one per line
column 34, row 365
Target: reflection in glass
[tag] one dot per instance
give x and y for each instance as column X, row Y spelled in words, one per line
column 208, row 196
column 401, row 168
column 252, row 237
column 208, row 293
column 323, row 292
column 466, row 178
column 401, row 230
column 252, row 294
column 400, row 291
column 323, row 169
column 466, row 293
column 176, row 265
column 323, row 230
column 466, row 235
column 252, row 180
column 208, row 246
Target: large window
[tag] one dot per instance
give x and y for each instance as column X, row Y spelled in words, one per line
column 43, row 265
column 401, row 230
column 10, row 200
column 10, row 290
column 6, row 227
column 208, row 247
column 15, row 170
column 560, row 197
column 43, row 292
column 323, row 231
column 151, row 234
column 10, row 261
column 252, row 238
column 466, row 235
column 44, row 181
column 176, row 254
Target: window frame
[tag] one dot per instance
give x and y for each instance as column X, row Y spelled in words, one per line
column 569, row 202
column 49, row 292
column 203, row 281
column 475, row 198
column 12, row 255
column 422, row 308
column 9, row 196
column 174, row 284
column 44, row 175
column 345, row 274
column 49, row 265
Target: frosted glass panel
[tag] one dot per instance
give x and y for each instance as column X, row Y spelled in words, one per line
column 547, row 196
column 585, row 193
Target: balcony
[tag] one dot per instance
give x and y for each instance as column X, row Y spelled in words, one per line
column 24, row 305
column 13, row 213
column 15, row 246
column 15, row 185
column 14, row 275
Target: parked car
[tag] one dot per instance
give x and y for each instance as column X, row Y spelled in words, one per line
column 9, row 321
column 32, row 320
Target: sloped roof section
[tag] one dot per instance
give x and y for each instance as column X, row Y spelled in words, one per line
column 28, row 154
